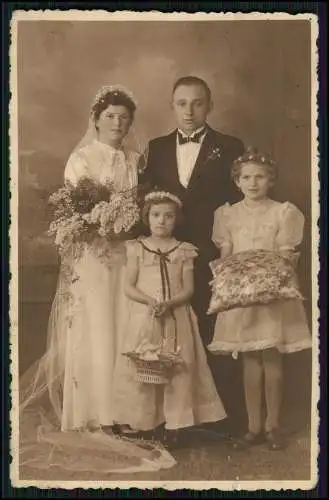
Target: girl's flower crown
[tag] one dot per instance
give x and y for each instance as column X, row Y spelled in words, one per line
column 115, row 90
column 253, row 154
column 159, row 195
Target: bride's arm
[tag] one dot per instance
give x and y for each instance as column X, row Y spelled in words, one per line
column 75, row 169
column 132, row 292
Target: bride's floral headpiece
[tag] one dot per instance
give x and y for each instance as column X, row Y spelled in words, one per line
column 115, row 90
column 163, row 195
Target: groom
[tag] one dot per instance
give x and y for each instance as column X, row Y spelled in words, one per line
column 194, row 163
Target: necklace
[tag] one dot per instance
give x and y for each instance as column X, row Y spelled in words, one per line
column 259, row 207
column 163, row 248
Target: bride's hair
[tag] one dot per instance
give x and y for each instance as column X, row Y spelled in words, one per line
column 115, row 98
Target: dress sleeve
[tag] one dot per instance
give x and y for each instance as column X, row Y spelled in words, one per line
column 76, row 168
column 221, row 235
column 188, row 253
column 291, row 227
column 133, row 249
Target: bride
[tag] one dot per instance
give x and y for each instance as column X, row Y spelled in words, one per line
column 90, row 333
column 83, row 334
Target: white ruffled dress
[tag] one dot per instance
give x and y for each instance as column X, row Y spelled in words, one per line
column 282, row 324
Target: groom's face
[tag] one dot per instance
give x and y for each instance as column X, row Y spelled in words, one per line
column 191, row 106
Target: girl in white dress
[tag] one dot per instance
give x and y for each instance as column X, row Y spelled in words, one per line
column 160, row 282
column 263, row 332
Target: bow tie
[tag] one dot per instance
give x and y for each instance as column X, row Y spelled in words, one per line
column 194, row 138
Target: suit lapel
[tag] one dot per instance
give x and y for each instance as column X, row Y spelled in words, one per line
column 201, row 161
column 172, row 167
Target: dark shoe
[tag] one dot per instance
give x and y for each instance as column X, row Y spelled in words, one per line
column 171, row 439
column 150, row 435
column 208, row 433
column 248, row 440
column 108, row 429
column 219, row 428
column 274, row 440
column 123, row 430
column 116, row 429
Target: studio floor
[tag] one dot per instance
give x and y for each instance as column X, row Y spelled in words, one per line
column 215, row 461
column 201, row 459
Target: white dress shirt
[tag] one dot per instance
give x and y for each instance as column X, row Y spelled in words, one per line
column 186, row 156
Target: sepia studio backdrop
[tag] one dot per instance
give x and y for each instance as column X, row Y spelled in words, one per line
column 259, row 74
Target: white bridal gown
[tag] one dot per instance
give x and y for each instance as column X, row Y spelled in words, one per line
column 86, row 318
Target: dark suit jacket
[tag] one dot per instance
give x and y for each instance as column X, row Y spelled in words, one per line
column 210, row 184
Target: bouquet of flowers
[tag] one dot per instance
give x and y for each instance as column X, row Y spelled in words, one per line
column 252, row 277
column 91, row 210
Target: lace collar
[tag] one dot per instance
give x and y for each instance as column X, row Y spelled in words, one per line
column 106, row 147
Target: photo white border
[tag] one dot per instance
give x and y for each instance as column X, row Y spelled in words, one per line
column 154, row 16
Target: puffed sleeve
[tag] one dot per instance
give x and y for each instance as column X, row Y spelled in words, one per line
column 76, row 168
column 221, row 235
column 188, row 253
column 291, row 227
column 133, row 249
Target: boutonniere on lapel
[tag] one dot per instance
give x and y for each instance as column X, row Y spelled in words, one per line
column 214, row 154
column 142, row 162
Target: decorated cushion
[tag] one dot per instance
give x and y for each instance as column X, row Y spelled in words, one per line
column 252, row 277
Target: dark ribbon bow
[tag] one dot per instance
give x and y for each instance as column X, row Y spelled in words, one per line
column 165, row 281
column 194, row 138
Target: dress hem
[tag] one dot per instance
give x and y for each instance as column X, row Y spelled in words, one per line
column 195, row 416
column 226, row 347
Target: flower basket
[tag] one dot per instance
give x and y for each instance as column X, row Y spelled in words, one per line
column 151, row 372
column 155, row 368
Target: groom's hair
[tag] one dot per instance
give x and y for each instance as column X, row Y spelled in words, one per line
column 192, row 80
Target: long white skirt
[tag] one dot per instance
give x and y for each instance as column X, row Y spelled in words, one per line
column 84, row 326
column 91, row 334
